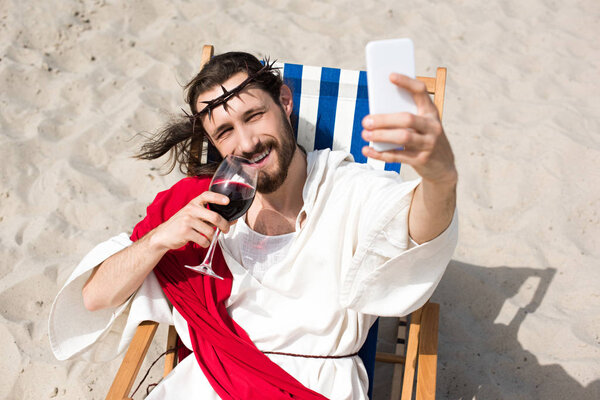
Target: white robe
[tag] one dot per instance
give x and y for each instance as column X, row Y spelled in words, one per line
column 349, row 262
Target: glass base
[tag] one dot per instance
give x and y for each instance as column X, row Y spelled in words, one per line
column 204, row 270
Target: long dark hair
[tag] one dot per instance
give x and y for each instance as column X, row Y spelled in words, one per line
column 184, row 138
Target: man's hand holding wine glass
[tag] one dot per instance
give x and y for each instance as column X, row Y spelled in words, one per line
column 193, row 223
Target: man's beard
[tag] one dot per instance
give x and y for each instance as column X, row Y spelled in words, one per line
column 268, row 183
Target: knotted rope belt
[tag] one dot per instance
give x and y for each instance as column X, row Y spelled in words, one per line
column 308, row 355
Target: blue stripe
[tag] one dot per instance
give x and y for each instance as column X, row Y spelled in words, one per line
column 393, row 167
column 292, row 76
column 361, row 109
column 367, row 354
column 328, row 97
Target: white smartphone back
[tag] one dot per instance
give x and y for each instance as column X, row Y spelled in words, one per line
column 383, row 58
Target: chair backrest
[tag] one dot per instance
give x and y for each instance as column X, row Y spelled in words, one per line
column 329, row 105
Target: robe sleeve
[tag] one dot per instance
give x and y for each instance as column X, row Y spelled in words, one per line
column 75, row 332
column 391, row 275
column 72, row 329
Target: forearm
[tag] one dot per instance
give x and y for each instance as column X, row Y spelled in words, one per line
column 120, row 275
column 431, row 210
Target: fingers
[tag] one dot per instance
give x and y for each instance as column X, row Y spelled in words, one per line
column 402, row 120
column 392, row 156
column 201, row 211
column 418, row 90
column 407, row 138
column 200, row 239
column 193, row 223
column 403, row 129
column 196, row 222
column 414, row 86
column 207, row 217
column 425, row 121
column 210, row 197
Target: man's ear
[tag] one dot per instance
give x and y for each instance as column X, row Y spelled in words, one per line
column 285, row 98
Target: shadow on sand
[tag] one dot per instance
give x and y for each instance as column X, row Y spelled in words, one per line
column 480, row 356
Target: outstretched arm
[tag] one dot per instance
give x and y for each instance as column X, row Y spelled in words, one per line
column 427, row 150
column 120, row 275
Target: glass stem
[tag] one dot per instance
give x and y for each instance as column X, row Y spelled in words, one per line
column 211, row 249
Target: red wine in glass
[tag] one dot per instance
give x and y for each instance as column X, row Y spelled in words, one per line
column 235, row 178
column 240, row 196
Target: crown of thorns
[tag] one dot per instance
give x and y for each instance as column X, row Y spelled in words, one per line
column 267, row 68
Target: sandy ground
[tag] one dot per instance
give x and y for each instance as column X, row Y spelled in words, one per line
column 521, row 298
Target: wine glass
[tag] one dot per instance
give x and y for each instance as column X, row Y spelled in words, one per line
column 235, row 178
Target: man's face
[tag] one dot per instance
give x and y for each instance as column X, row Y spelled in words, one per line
column 253, row 126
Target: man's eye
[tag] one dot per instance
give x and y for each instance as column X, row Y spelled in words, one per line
column 223, row 133
column 255, row 116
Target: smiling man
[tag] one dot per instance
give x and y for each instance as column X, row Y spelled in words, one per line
column 326, row 247
column 255, row 126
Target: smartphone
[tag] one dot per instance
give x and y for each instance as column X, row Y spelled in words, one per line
column 383, row 58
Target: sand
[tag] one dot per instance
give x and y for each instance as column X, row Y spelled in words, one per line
column 521, row 299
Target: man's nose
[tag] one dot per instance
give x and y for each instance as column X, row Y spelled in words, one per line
column 247, row 140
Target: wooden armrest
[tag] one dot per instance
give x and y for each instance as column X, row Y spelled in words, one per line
column 411, row 354
column 428, row 348
column 132, row 361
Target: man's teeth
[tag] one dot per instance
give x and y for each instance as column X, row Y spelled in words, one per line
column 260, row 156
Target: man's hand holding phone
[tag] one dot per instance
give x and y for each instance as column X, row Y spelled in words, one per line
column 411, row 136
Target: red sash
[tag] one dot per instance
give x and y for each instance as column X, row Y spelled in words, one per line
column 235, row 368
